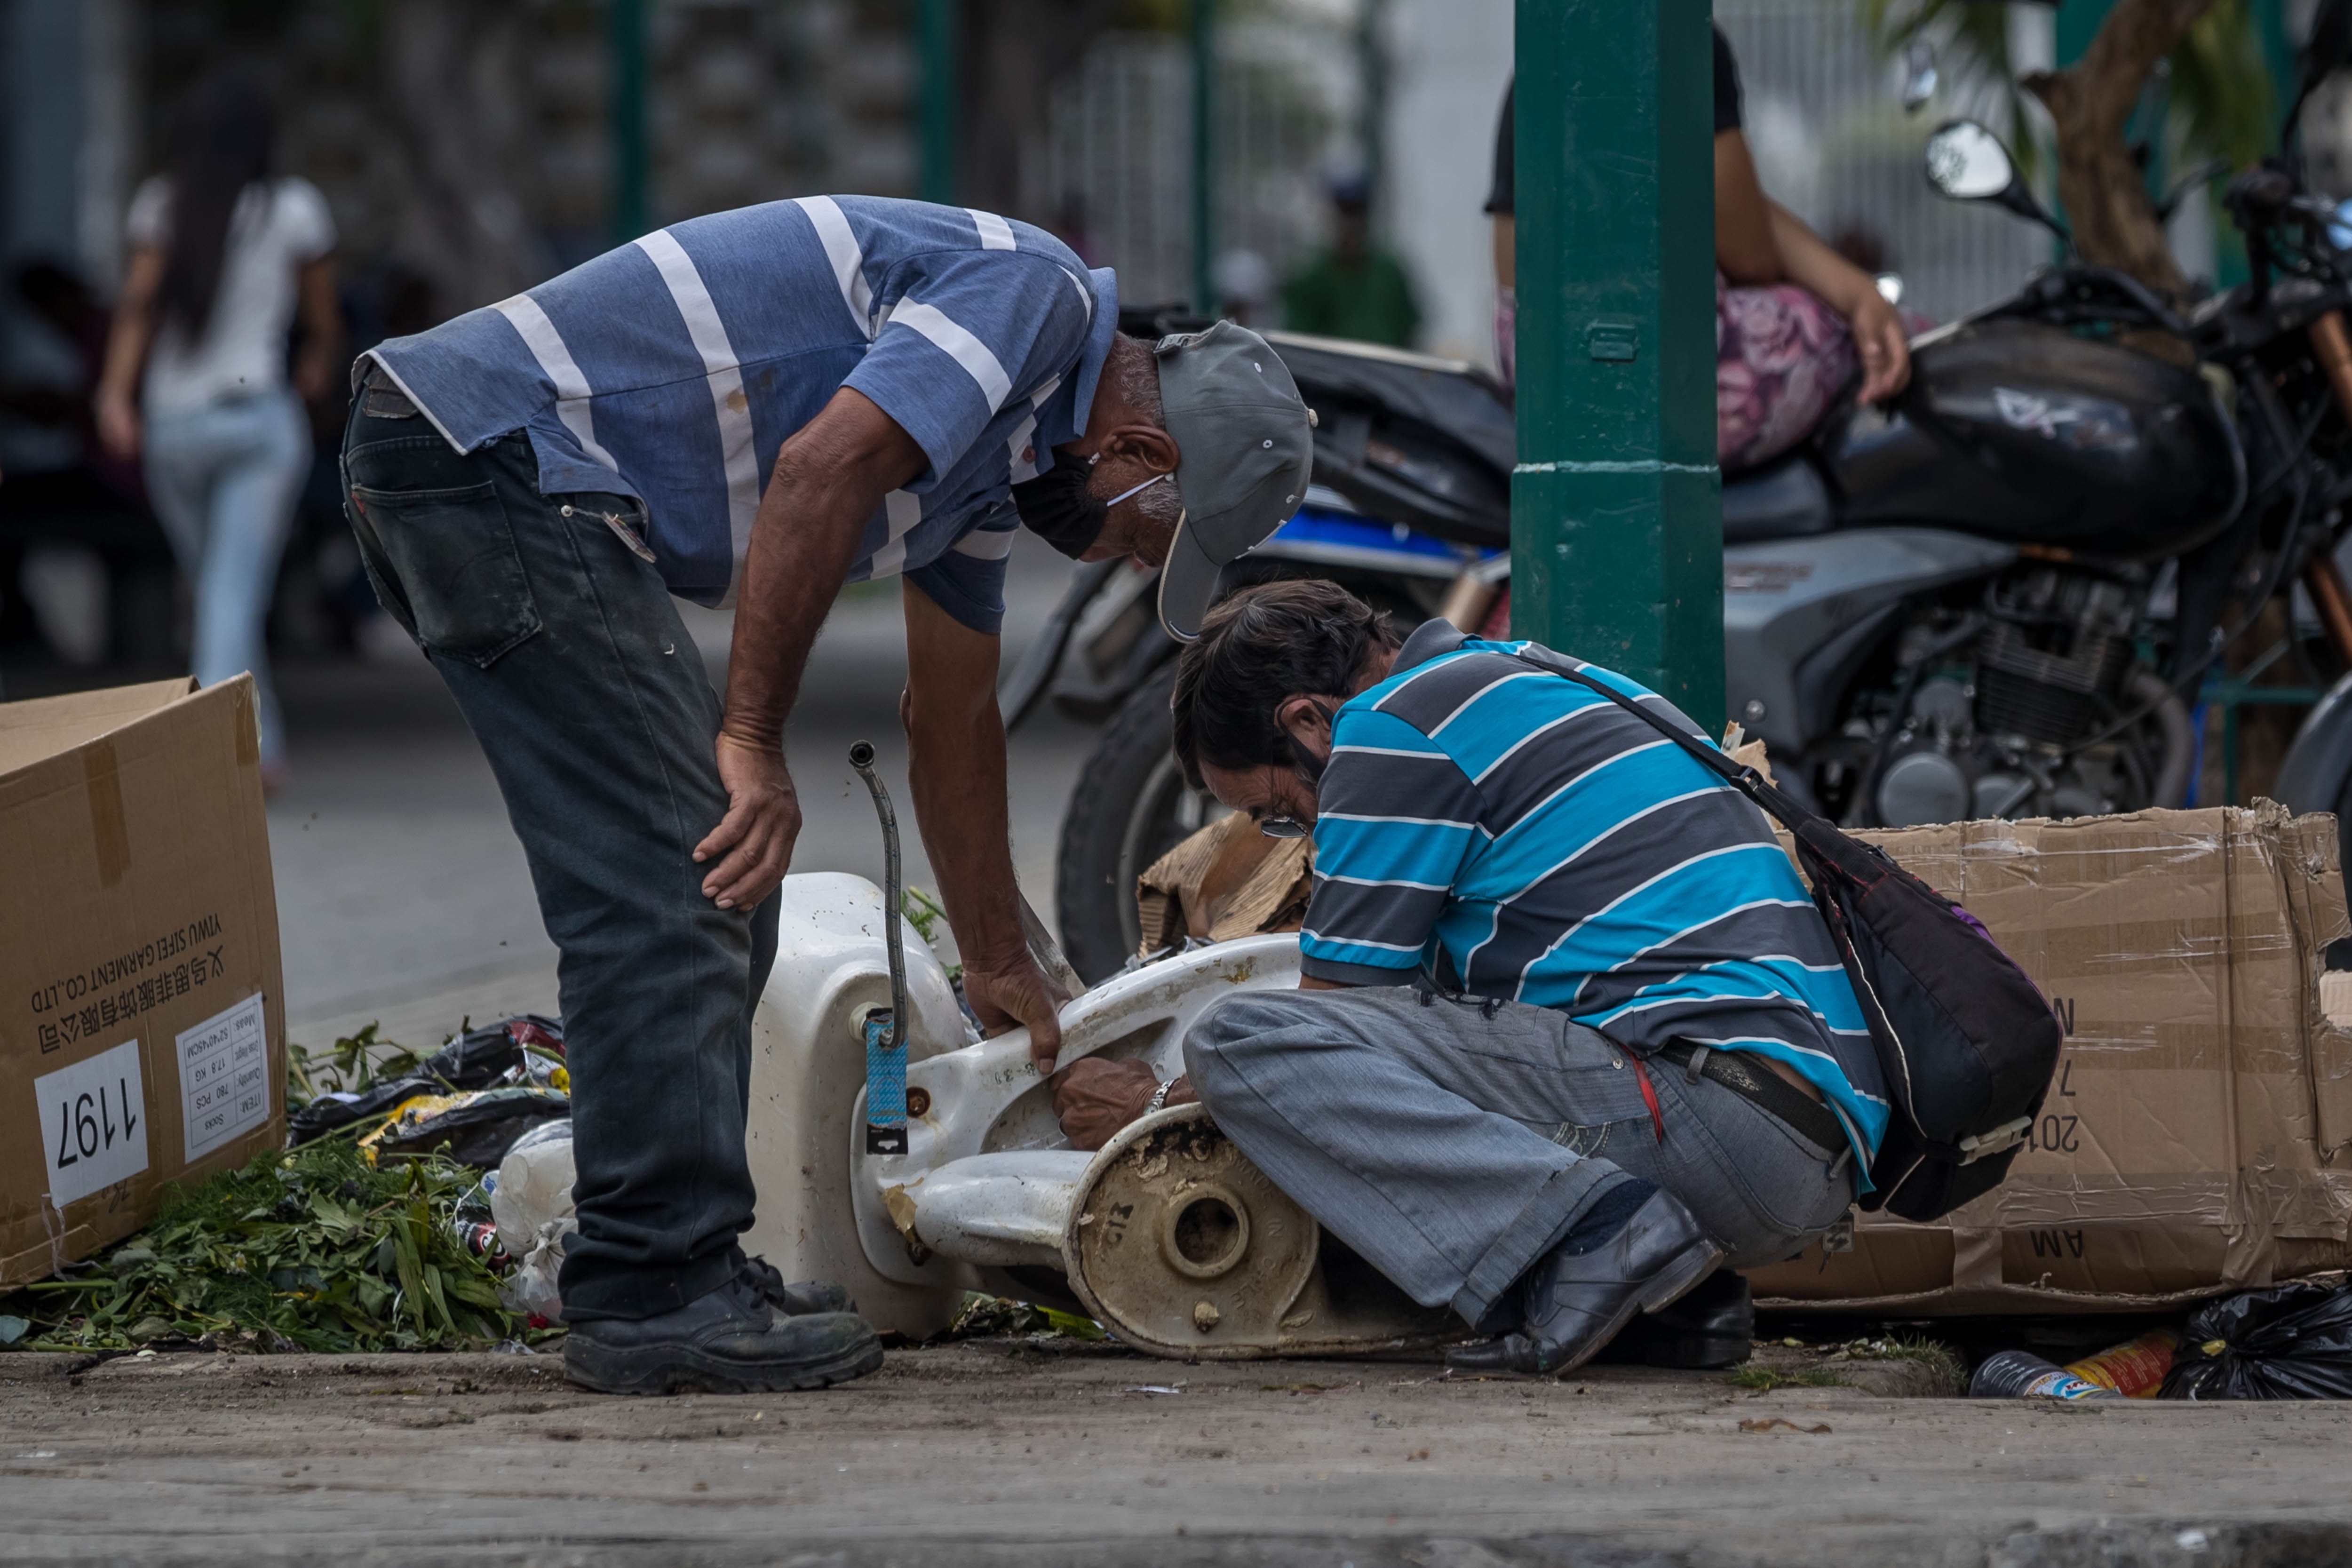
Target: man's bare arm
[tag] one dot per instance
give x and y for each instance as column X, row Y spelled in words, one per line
column 955, row 739
column 829, row 480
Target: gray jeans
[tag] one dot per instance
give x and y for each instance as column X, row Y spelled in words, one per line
column 1453, row 1149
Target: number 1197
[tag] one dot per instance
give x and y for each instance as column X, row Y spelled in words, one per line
column 86, row 1124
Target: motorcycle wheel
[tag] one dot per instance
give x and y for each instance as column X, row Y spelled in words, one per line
column 1129, row 807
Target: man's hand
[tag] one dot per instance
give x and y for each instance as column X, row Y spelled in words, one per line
column 1095, row 1098
column 1885, row 351
column 754, row 842
column 1005, row 997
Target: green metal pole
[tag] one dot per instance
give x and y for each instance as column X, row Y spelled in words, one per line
column 940, row 100
column 1616, row 506
column 626, row 47
column 1204, row 155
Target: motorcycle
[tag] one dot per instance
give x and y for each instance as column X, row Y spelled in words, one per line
column 1992, row 597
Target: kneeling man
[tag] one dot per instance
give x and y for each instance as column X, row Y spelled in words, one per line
column 1569, row 1033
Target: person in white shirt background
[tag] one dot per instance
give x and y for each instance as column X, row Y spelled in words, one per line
column 223, row 252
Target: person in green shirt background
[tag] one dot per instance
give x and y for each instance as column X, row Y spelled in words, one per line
column 1352, row 290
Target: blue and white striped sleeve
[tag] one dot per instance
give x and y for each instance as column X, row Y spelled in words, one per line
column 967, row 581
column 973, row 331
column 1395, row 819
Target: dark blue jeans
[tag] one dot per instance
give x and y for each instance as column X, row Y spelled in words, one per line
column 568, row 657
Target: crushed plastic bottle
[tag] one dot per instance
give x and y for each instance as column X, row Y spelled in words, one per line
column 532, row 1206
column 2134, row 1368
column 2021, row 1374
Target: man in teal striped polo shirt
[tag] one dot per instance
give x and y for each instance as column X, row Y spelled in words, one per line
column 1569, row 1031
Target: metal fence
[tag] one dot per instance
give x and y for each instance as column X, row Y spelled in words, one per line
column 1824, row 112
column 1825, row 121
column 1115, row 160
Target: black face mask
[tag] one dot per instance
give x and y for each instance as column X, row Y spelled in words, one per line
column 1055, row 507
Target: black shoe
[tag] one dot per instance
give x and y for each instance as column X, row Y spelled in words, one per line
column 799, row 1300
column 738, row 1339
column 1575, row 1305
column 1711, row 1328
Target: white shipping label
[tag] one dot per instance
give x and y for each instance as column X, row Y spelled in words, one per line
column 223, row 1077
column 93, row 1123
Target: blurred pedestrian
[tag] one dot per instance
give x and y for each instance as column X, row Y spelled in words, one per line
column 1354, row 288
column 221, row 252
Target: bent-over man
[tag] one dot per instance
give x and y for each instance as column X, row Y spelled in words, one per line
column 1568, row 1033
column 755, row 407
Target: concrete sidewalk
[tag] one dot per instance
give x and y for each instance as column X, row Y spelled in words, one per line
column 1041, row 1453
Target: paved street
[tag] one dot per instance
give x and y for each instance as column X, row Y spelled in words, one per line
column 997, row 1454
column 403, row 896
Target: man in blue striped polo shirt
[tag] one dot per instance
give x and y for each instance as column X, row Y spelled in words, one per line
column 1587, row 1035
column 752, row 408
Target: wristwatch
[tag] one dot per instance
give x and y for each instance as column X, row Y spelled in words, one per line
column 1160, row 1097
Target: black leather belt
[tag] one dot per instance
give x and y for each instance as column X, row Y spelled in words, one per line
column 1754, row 1080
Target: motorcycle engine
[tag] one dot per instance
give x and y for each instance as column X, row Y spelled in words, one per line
column 1989, row 738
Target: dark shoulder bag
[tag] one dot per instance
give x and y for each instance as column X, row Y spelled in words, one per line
column 1966, row 1040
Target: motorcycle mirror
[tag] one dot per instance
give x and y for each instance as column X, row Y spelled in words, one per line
column 1968, row 164
column 1918, row 75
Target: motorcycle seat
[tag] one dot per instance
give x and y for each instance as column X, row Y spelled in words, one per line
column 1784, row 500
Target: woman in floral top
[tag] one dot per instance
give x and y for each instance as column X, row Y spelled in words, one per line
column 1793, row 317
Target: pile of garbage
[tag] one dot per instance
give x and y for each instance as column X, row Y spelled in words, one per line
column 422, row 1204
column 2285, row 1341
column 480, row 1092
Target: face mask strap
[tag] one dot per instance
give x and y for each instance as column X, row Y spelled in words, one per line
column 1133, row 491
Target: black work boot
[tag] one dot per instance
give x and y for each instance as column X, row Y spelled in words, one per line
column 743, row 1338
column 1574, row 1305
column 800, row 1299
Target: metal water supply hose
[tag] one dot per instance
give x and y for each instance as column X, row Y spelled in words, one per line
column 885, row 1058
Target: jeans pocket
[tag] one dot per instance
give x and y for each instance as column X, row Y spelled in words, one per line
column 1792, row 1184
column 452, row 555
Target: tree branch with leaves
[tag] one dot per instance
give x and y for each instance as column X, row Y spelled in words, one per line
column 2214, row 81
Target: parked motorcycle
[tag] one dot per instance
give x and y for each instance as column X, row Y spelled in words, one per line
column 1992, row 597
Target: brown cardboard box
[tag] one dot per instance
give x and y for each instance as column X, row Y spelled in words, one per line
column 2190, row 1142
column 142, row 1038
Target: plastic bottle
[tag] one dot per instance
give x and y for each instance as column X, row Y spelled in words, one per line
column 2134, row 1368
column 532, row 1206
column 2021, row 1374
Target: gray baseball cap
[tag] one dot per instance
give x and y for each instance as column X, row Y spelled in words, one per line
column 1246, row 445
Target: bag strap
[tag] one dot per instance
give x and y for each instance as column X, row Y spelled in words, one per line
column 1746, row 780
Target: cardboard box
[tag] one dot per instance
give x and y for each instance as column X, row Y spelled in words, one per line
column 2190, row 1141
column 142, row 1035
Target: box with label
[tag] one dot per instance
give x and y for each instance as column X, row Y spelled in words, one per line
column 2190, row 1138
column 142, row 1037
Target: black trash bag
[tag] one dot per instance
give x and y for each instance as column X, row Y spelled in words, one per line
column 2290, row 1341
column 480, row 1132
column 479, row 1058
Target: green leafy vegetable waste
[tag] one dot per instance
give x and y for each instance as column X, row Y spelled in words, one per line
column 315, row 1250
column 985, row 1317
column 925, row 913
column 355, row 1064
